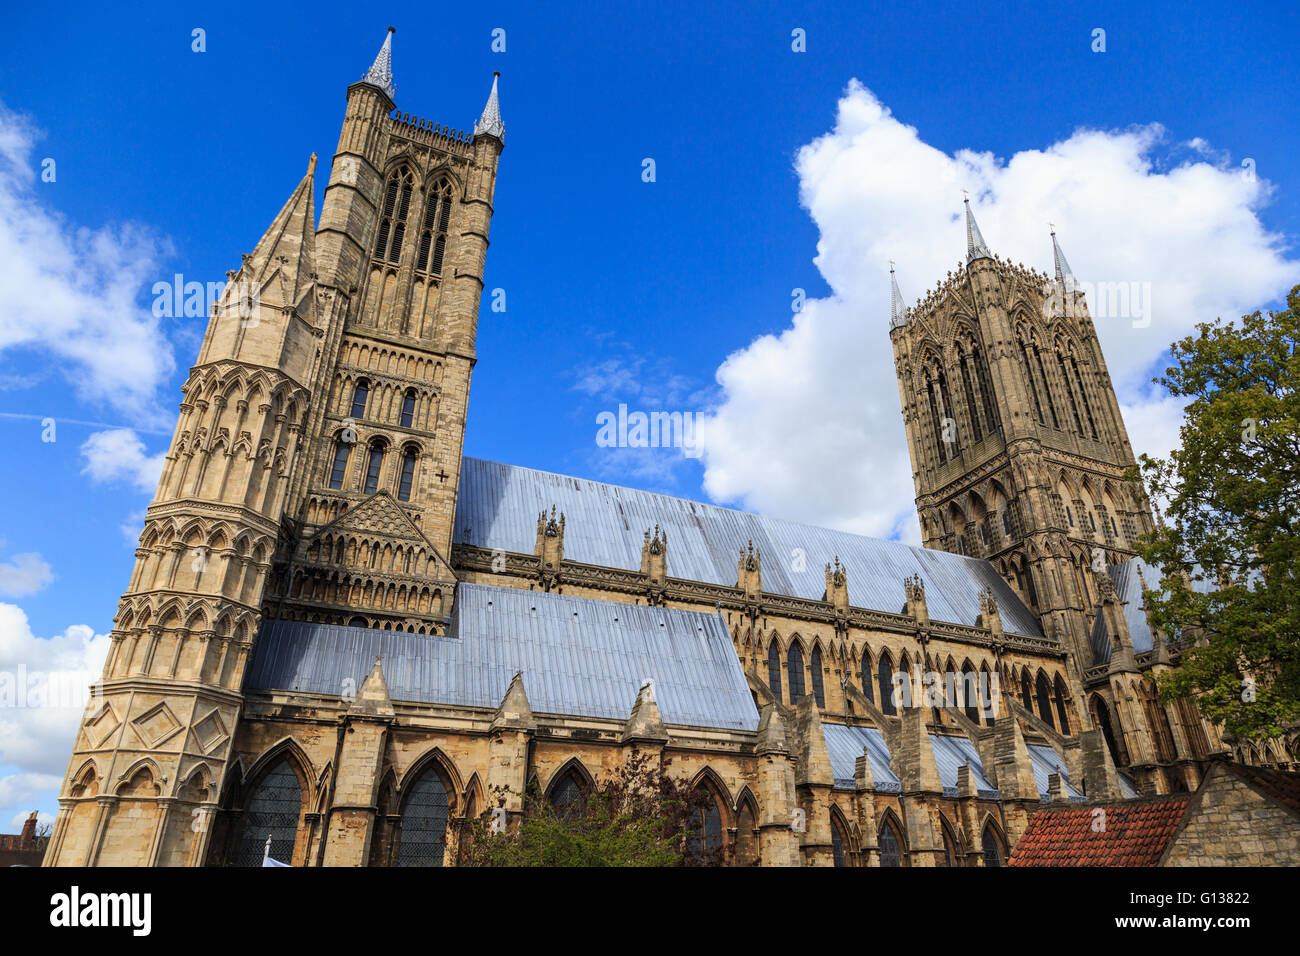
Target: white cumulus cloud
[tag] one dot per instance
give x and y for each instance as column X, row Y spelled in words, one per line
column 809, row 425
column 72, row 293
column 43, row 693
column 24, row 574
column 119, row 455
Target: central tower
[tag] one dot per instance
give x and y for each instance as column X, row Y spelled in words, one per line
column 1017, row 445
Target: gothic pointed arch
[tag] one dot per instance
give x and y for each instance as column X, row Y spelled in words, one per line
column 890, row 842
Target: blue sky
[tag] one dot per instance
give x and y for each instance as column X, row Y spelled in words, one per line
column 620, row 290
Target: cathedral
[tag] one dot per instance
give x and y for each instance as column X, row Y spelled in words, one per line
column 342, row 638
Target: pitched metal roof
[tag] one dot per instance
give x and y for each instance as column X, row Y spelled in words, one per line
column 1047, row 761
column 844, row 746
column 579, row 657
column 949, row 754
column 1127, row 576
column 499, row 504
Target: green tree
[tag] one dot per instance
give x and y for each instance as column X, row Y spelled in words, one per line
column 1229, row 594
column 639, row 816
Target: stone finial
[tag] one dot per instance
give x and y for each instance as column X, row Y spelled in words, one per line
column 989, row 616
column 914, row 605
column 514, row 712
column 550, row 547
column 837, row 586
column 1056, row 787
column 749, row 572
column 645, row 725
column 966, row 781
column 898, row 311
column 654, row 557
column 372, row 699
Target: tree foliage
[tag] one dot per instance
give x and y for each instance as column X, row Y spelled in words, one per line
column 1229, row 594
column 638, row 816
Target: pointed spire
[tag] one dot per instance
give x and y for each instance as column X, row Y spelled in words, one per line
column 380, row 73
column 490, row 123
column 975, row 247
column 898, row 311
column 645, row 723
column 280, row 271
column 1062, row 267
column 373, row 700
column 514, row 712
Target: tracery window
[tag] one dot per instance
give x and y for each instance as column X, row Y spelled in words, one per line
column 423, row 835
column 567, row 798
column 392, row 222
column 794, row 667
column 433, row 232
column 837, row 843
column 890, row 846
column 868, row 678
column 992, row 848
column 1045, row 700
column 707, row 825
column 1061, row 697
column 272, row 811
column 819, row 694
column 885, row 676
column 774, row 669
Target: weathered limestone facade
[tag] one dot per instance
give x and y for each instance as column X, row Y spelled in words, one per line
column 314, row 477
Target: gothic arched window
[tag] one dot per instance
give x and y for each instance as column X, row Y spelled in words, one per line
column 408, row 408
column 950, row 855
column 815, row 665
column 1027, row 690
column 271, row 811
column 986, row 389
column 706, row 824
column 1029, row 377
column 837, row 843
column 971, row 407
column 1047, row 387
column 423, row 835
column 567, row 797
column 992, row 848
column 1045, row 700
column 936, row 418
column 890, row 845
column 970, row 693
column 1087, row 405
column 359, row 396
column 1061, row 697
column 392, row 222
column 868, row 678
column 373, row 466
column 407, row 474
column 885, row 675
column 794, row 667
column 433, row 233
column 774, row 669
column 1069, row 390
column 338, row 469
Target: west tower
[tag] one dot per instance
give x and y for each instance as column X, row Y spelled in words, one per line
column 1017, row 445
column 312, row 473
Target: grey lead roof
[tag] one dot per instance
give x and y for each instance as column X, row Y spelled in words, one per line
column 499, row 504
column 844, row 746
column 1128, row 585
column 1047, row 761
column 579, row 657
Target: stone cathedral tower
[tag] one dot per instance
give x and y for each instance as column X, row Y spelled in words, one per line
column 312, row 474
column 1017, row 445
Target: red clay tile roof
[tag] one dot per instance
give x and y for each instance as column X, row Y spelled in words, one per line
column 1135, row 833
column 1275, row 784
